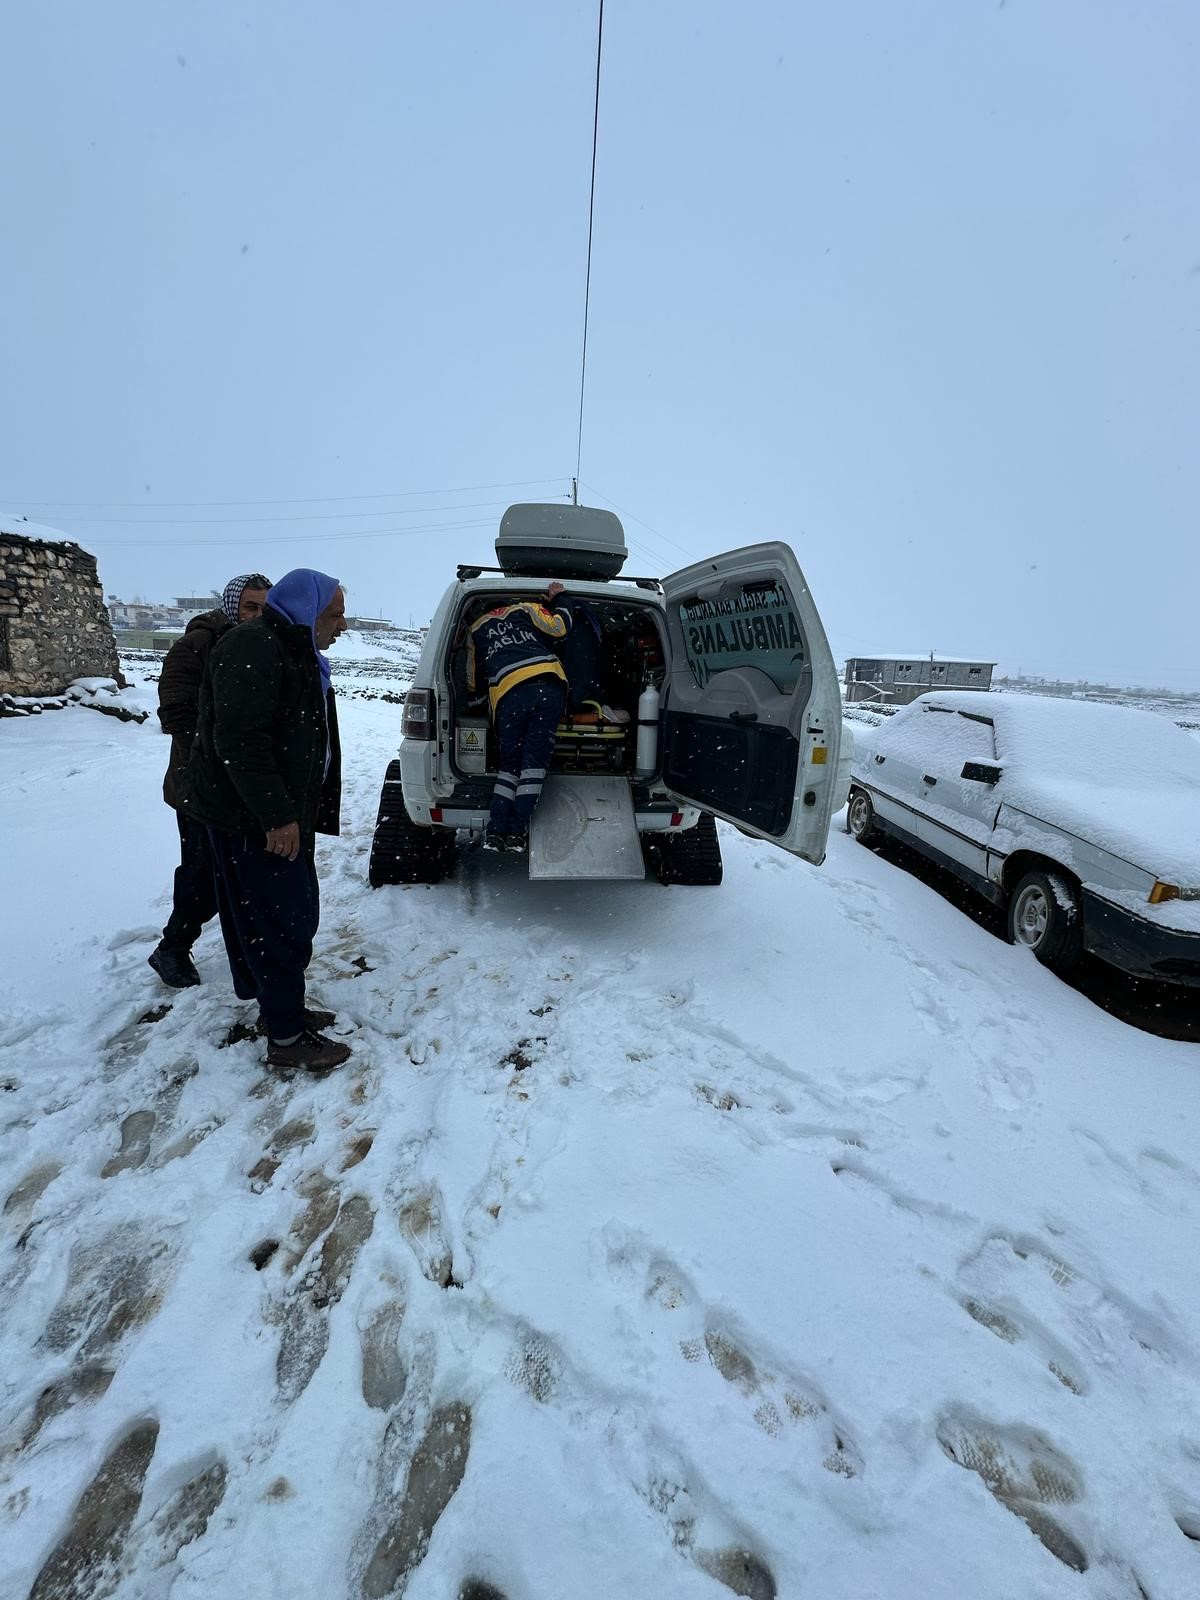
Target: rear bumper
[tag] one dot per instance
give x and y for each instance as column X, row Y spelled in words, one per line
column 1139, row 946
column 468, row 805
column 458, row 816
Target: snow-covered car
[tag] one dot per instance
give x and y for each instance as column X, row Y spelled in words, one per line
column 1079, row 817
column 723, row 670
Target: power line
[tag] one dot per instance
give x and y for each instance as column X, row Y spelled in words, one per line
column 299, row 538
column 305, row 500
column 672, row 542
column 587, row 288
column 320, row 516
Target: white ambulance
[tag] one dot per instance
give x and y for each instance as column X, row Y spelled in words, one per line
column 723, row 670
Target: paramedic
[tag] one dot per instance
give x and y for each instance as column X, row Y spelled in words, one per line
column 511, row 648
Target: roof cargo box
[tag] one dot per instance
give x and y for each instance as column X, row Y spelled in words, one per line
column 553, row 541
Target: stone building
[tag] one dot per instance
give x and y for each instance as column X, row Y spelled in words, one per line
column 54, row 627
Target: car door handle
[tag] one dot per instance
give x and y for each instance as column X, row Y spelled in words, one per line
column 743, row 716
column 925, row 778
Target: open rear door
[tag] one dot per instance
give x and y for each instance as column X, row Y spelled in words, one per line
column 751, row 707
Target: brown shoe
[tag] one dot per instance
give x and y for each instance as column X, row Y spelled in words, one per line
column 313, row 1020
column 311, row 1052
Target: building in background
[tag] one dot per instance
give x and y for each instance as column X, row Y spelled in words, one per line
column 54, row 627
column 196, row 605
column 895, row 680
column 150, row 614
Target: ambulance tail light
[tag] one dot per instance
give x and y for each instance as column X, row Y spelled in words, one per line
column 417, row 721
column 435, row 813
column 676, row 819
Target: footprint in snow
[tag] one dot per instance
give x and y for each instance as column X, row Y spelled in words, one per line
column 291, row 1135
column 113, row 1286
column 124, row 1047
column 437, row 1469
column 19, row 1206
column 358, row 1149
column 305, row 1335
column 694, row 1524
column 1023, row 1471
column 1156, row 1178
column 1018, row 1270
column 136, row 1132
column 1015, row 1326
column 139, row 1127
column 774, row 1402
column 419, row 1213
column 1161, row 1163
column 189, row 1140
column 182, row 1520
column 536, row 1365
column 1186, row 1515
column 95, row 1537
column 79, row 1386
column 322, row 1198
column 384, row 1373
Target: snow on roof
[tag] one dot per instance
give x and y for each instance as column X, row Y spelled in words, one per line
column 9, row 523
column 919, row 655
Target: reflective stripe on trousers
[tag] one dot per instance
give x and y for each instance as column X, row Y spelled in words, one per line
column 526, row 721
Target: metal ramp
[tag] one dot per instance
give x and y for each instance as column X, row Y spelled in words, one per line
column 584, row 827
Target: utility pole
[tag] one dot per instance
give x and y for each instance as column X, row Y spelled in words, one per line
column 574, row 491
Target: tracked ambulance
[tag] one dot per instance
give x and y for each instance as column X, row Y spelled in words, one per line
column 722, row 669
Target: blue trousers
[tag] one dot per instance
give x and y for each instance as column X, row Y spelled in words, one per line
column 269, row 908
column 526, row 720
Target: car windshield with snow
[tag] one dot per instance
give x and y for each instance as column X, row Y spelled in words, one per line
column 1079, row 817
column 710, row 693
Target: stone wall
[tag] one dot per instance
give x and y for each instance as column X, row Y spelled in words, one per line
column 54, row 626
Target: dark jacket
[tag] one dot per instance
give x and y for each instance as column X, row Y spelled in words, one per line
column 179, row 692
column 258, row 761
column 513, row 641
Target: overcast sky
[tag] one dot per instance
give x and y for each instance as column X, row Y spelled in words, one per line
column 912, row 286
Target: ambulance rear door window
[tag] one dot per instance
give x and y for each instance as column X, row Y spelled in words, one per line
column 756, row 626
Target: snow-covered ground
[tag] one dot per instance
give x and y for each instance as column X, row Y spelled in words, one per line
column 794, row 1238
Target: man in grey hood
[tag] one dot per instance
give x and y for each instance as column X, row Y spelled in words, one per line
column 195, row 897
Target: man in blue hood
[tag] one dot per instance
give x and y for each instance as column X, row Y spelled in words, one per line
column 265, row 778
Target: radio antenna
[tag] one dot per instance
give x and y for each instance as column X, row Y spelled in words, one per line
column 587, row 290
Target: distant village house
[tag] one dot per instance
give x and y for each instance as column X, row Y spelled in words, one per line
column 897, row 680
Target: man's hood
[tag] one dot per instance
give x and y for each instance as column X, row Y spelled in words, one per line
column 302, row 595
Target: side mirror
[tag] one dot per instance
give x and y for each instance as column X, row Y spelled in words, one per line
column 981, row 771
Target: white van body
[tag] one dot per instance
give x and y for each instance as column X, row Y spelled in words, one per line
column 749, row 724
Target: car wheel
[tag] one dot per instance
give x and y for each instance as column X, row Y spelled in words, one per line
column 860, row 817
column 1044, row 915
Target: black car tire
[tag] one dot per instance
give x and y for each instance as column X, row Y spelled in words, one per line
column 1044, row 915
column 402, row 852
column 692, row 857
column 860, row 817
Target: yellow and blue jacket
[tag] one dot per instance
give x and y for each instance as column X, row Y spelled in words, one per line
column 512, row 642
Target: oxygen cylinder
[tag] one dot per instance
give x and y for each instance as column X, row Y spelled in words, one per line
column 647, row 732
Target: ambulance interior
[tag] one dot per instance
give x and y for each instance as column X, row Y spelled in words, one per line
column 612, row 652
